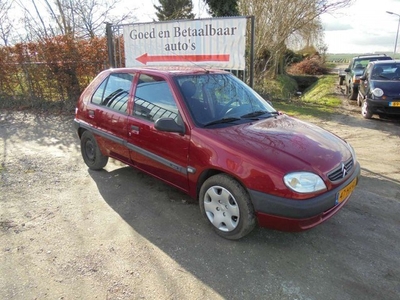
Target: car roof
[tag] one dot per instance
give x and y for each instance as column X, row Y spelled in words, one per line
column 383, row 62
column 371, row 56
column 170, row 70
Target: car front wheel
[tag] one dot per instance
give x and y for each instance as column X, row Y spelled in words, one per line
column 352, row 94
column 359, row 100
column 365, row 112
column 91, row 153
column 227, row 206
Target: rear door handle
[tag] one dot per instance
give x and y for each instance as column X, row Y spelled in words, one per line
column 91, row 113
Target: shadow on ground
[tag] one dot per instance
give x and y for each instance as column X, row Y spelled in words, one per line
column 350, row 256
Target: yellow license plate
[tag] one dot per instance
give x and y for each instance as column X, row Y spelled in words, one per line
column 394, row 104
column 345, row 192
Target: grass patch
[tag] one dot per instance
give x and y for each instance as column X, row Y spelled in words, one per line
column 298, row 108
column 319, row 101
column 323, row 92
column 283, row 87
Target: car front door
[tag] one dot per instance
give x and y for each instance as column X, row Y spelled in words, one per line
column 162, row 154
column 364, row 84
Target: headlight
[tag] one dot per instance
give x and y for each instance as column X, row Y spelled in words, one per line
column 304, row 182
column 353, row 153
column 377, row 92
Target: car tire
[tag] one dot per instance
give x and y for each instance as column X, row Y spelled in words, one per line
column 383, row 116
column 365, row 112
column 341, row 79
column 227, row 206
column 359, row 99
column 91, row 153
column 352, row 95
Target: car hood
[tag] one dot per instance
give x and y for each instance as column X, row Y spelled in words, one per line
column 286, row 143
column 389, row 87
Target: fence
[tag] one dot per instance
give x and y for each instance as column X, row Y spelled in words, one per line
column 52, row 71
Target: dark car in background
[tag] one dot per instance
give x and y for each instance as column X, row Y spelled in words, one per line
column 379, row 91
column 210, row 135
column 356, row 69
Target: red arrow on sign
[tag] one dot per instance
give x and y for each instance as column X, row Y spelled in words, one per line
column 145, row 58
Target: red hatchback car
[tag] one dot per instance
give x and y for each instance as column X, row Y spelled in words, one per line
column 208, row 134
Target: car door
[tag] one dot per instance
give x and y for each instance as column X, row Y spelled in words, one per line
column 364, row 84
column 109, row 111
column 162, row 154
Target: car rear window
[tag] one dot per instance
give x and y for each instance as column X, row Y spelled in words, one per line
column 114, row 92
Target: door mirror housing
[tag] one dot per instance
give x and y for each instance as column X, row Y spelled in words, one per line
column 169, row 125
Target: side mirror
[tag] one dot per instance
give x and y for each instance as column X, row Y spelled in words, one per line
column 347, row 70
column 169, row 125
column 363, row 77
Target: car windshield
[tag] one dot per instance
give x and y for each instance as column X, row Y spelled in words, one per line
column 222, row 99
column 360, row 63
column 386, row 72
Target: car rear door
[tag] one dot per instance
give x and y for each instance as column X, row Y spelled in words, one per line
column 109, row 112
column 162, row 154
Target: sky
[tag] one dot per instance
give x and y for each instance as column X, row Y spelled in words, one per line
column 364, row 27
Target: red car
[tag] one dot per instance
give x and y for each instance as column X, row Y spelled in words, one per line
column 208, row 134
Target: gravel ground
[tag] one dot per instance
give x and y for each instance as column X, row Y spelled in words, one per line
column 70, row 233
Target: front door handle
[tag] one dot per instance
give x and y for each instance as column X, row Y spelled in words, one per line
column 134, row 130
column 91, row 113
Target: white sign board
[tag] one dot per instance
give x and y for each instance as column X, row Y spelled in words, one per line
column 216, row 42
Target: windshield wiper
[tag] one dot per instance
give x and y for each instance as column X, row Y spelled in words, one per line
column 221, row 121
column 382, row 76
column 258, row 113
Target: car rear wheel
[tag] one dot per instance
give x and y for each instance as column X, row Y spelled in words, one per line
column 365, row 112
column 227, row 206
column 91, row 153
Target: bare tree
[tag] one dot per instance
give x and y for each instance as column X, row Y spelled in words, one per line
column 5, row 21
column 278, row 21
column 79, row 18
column 93, row 14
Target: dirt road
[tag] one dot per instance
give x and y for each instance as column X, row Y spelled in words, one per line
column 70, row 233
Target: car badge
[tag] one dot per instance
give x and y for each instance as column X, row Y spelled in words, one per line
column 344, row 171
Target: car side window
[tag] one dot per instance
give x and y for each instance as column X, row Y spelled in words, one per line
column 154, row 99
column 114, row 92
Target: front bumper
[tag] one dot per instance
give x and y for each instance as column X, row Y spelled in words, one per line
column 378, row 106
column 297, row 215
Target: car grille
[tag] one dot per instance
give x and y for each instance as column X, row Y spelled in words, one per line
column 342, row 171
